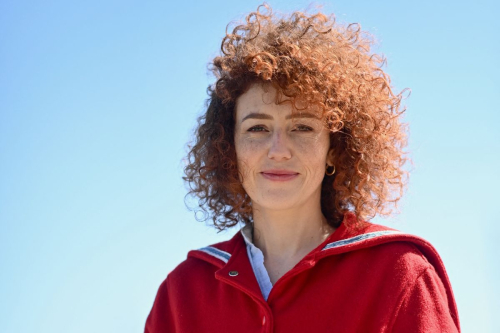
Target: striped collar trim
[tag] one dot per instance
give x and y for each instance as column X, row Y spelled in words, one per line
column 359, row 238
column 225, row 256
column 215, row 252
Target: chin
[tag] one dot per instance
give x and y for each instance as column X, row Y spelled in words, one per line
column 277, row 202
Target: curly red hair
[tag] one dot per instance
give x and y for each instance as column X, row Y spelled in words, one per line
column 310, row 60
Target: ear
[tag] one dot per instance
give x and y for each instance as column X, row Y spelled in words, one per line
column 329, row 157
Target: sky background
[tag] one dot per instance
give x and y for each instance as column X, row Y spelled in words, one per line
column 99, row 98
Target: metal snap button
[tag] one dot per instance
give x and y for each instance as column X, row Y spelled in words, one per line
column 233, row 273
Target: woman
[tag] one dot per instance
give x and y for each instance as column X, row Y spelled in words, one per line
column 302, row 143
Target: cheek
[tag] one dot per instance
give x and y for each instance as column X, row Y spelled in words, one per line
column 245, row 154
column 247, row 149
column 315, row 148
column 314, row 155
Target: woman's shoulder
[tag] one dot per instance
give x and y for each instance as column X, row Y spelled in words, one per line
column 205, row 261
column 396, row 264
column 384, row 241
column 383, row 246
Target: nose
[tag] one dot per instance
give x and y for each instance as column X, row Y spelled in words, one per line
column 279, row 149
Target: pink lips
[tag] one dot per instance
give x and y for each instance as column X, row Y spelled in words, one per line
column 279, row 175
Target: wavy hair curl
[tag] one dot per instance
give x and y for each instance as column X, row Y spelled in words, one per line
column 310, row 60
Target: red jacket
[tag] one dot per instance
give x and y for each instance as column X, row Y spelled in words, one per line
column 373, row 279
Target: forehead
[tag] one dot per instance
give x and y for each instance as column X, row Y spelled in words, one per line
column 257, row 95
column 262, row 98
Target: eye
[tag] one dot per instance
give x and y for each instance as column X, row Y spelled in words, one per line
column 303, row 128
column 257, row 128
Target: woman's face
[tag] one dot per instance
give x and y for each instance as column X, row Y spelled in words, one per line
column 281, row 158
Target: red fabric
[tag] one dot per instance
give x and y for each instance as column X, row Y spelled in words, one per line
column 388, row 283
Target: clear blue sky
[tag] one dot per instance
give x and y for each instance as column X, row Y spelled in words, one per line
column 97, row 102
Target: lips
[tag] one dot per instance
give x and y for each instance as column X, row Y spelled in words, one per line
column 279, row 175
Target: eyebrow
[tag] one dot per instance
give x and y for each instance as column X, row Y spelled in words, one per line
column 256, row 115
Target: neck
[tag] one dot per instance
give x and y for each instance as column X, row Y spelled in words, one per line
column 289, row 234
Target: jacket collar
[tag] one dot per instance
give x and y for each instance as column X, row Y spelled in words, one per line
column 234, row 267
column 352, row 234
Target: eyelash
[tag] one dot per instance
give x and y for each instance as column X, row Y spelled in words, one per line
column 260, row 128
column 307, row 128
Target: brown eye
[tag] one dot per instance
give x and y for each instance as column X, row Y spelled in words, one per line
column 257, row 128
column 303, row 128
